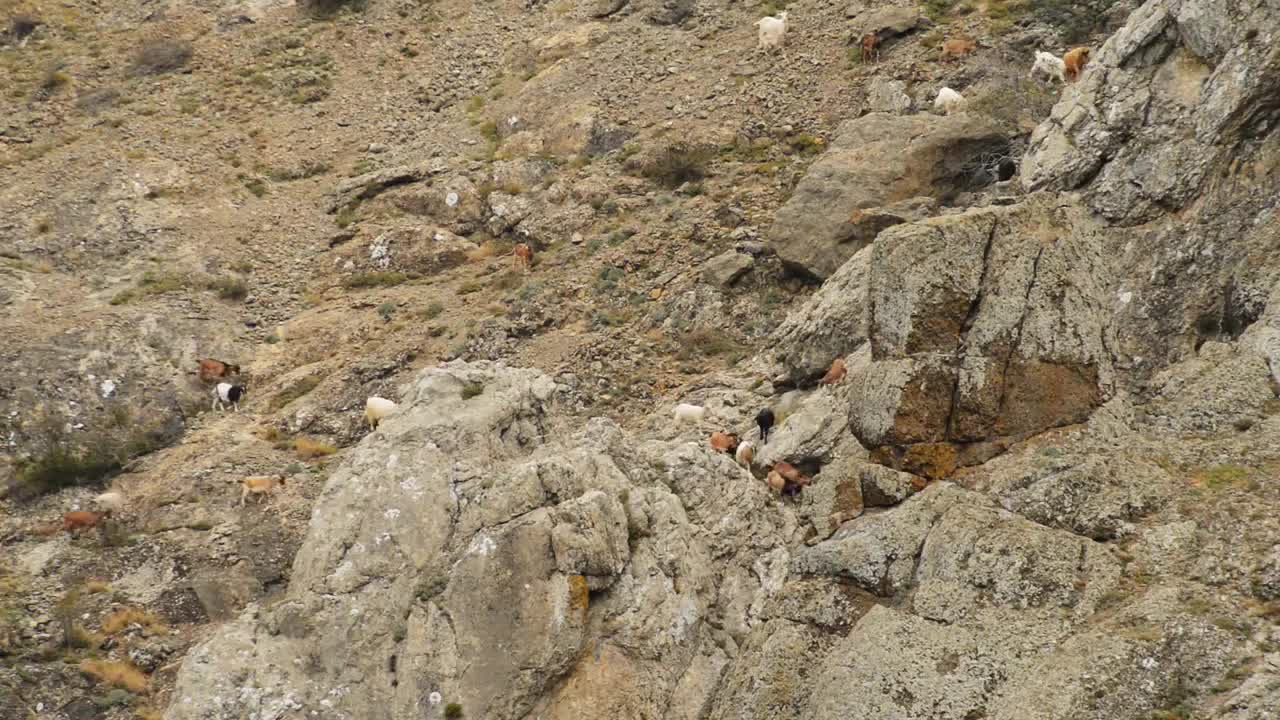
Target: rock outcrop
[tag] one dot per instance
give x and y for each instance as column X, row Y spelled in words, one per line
column 882, row 169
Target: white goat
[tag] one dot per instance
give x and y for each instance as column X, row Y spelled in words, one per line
column 112, row 501
column 746, row 453
column 690, row 413
column 1049, row 65
column 772, row 31
column 949, row 101
column 227, row 394
column 375, row 409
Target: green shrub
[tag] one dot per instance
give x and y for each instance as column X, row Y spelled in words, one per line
column 63, row 460
column 229, row 288
column 375, row 279
column 256, row 186
column 385, row 311
column 301, row 171
column 432, row 311
column 329, row 8
column 678, row 164
column 471, row 390
column 161, row 55
column 453, row 711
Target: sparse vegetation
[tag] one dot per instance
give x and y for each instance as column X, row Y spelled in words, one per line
column 328, row 8
column 375, row 279
column 678, row 164
column 345, row 217
column 308, row 449
column 707, row 342
column 471, row 390
column 117, row 674
column 229, row 288
column 255, row 186
column 53, row 79
column 453, row 711
column 301, row 171
column 293, row 392
column 161, row 55
column 64, row 464
column 123, row 619
column 1225, row 477
column 385, row 311
column 432, row 311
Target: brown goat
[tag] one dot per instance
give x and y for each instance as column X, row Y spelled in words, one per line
column 776, row 481
column 1075, row 60
column 788, row 471
column 724, row 442
column 835, row 374
column 957, row 47
column 79, row 519
column 870, row 47
column 213, row 370
column 259, row 485
column 522, row 256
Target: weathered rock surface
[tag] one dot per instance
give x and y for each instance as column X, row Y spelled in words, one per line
column 966, row 332
column 832, row 323
column 877, row 161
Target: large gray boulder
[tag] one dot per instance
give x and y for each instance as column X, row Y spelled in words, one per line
column 986, row 325
column 870, row 178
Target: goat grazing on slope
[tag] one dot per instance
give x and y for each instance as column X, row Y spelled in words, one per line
column 772, row 31
column 227, row 394
column 522, row 257
column 260, row 485
column 690, row 413
column 213, row 370
column 949, row 101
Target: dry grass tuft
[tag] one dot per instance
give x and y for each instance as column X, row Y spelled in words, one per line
column 121, row 620
column 309, row 449
column 117, row 674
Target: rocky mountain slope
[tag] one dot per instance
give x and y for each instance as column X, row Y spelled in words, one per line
column 1045, row 488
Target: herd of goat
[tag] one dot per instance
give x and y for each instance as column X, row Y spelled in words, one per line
column 782, row 477
column 773, row 31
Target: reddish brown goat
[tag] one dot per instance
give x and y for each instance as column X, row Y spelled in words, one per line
column 79, row 519
column 522, row 256
column 724, row 442
column 958, row 47
column 835, row 374
column 213, row 370
column 1075, row 60
column 870, row 47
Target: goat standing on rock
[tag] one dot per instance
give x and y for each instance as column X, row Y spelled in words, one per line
column 1049, row 65
column 765, row 421
column 375, row 409
column 1074, row 61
